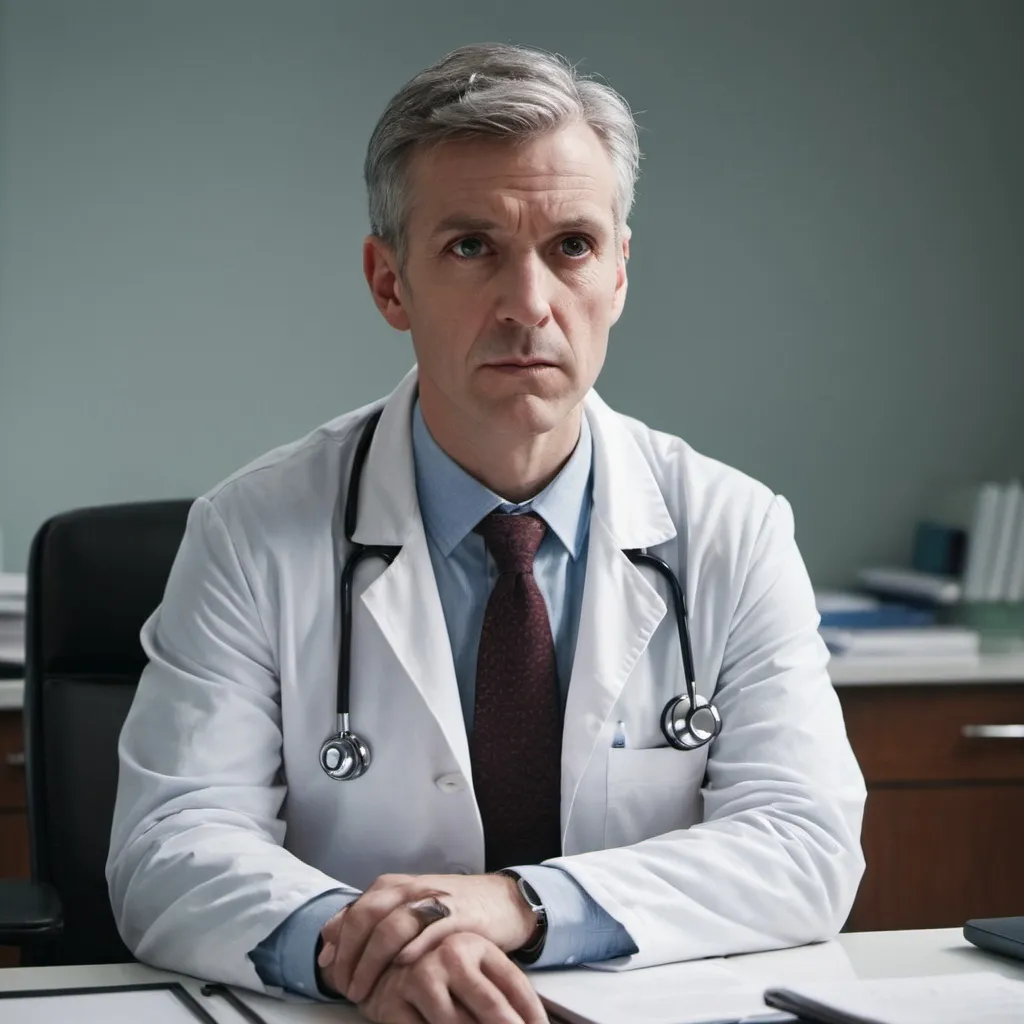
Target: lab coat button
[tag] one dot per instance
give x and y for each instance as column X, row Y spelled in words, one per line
column 453, row 783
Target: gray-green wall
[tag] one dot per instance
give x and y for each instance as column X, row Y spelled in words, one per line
column 826, row 288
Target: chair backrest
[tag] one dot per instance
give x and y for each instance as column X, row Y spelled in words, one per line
column 94, row 577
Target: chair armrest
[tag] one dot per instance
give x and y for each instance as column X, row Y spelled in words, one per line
column 28, row 911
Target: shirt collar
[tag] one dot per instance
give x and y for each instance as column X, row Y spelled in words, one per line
column 452, row 502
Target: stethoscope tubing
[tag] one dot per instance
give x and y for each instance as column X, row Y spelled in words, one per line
column 359, row 553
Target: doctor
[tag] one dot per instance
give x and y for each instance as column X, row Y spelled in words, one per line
column 510, row 666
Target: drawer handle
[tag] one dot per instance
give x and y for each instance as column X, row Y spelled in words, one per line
column 15, row 760
column 993, row 732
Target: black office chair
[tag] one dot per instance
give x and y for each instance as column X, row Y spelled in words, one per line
column 94, row 577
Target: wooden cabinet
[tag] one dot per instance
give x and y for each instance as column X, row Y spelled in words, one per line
column 944, row 823
column 13, row 823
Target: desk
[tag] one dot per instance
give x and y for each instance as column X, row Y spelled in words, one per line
column 865, row 954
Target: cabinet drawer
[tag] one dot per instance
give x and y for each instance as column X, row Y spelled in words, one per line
column 12, row 766
column 937, row 856
column 919, row 733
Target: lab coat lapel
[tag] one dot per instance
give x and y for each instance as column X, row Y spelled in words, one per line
column 404, row 599
column 621, row 609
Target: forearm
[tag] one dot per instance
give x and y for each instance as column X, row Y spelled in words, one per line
column 757, row 879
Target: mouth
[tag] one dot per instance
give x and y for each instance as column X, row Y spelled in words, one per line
column 520, row 365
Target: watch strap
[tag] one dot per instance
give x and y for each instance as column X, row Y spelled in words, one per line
column 531, row 952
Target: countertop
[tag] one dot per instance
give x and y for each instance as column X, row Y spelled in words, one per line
column 876, row 671
column 989, row 668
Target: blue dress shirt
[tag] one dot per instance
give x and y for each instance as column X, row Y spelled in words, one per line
column 452, row 503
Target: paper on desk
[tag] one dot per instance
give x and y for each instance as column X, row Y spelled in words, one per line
column 979, row 998
column 686, row 993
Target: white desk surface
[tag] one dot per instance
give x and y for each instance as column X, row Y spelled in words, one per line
column 858, row 954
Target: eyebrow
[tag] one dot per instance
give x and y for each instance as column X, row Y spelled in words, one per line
column 462, row 222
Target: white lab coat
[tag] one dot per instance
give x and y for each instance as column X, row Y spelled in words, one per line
column 225, row 822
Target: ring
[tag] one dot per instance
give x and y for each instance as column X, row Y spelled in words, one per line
column 429, row 909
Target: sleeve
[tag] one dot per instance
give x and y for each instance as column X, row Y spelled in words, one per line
column 579, row 929
column 777, row 860
column 197, row 871
column 286, row 958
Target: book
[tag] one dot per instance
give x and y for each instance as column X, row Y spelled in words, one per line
column 911, row 585
column 1015, row 568
column 843, row 601
column 1005, row 538
column 973, row 509
column 939, row 549
column 925, row 642
column 885, row 616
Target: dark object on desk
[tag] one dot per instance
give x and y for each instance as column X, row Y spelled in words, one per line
column 173, row 988
column 998, row 935
column 94, row 577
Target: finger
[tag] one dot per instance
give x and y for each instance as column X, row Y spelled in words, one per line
column 357, row 925
column 386, row 941
column 481, row 998
column 433, row 999
column 428, row 939
column 516, row 988
column 390, row 882
column 330, row 930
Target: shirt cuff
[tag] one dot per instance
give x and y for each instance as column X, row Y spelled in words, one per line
column 286, row 958
column 579, row 929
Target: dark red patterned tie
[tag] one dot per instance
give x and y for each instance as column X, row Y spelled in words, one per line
column 516, row 747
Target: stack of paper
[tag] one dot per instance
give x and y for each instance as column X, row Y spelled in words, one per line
column 13, row 592
column 923, row 642
column 981, row 998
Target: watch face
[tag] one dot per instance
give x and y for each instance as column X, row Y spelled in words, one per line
column 530, row 894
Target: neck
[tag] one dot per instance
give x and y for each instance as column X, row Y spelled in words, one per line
column 516, row 466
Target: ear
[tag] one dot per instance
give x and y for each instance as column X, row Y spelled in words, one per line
column 621, row 278
column 380, row 267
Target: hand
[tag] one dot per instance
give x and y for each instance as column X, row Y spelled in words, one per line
column 367, row 936
column 464, row 979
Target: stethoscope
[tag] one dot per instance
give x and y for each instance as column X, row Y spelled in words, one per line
column 688, row 720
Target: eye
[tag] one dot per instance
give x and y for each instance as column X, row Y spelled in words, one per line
column 575, row 246
column 470, row 248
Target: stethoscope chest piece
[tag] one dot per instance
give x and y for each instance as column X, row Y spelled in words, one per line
column 688, row 724
column 344, row 756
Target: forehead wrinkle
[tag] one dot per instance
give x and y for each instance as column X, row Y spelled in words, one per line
column 562, row 208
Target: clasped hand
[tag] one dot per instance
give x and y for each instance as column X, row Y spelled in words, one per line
column 403, row 967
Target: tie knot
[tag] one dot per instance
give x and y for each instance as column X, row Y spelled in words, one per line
column 512, row 539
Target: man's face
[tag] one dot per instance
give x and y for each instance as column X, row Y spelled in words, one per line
column 513, row 277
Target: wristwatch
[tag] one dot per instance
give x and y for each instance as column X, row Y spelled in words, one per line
column 530, row 953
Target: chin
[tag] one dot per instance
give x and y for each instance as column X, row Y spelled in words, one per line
column 527, row 413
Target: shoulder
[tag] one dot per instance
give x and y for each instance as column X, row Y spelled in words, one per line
column 706, row 492
column 290, row 491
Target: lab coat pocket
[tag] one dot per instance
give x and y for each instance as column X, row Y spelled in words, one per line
column 652, row 791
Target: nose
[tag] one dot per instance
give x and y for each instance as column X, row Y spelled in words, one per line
column 524, row 296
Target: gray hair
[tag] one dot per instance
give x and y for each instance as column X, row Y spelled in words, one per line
column 495, row 90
